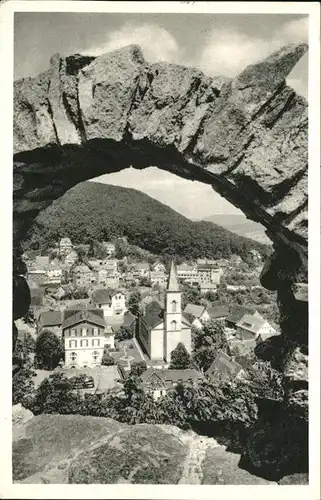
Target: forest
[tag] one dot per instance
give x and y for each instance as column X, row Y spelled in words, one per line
column 96, row 211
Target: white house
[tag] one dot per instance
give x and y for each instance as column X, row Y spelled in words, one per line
column 187, row 274
column 252, row 326
column 141, row 270
column 113, row 302
column 109, row 247
column 159, row 267
column 196, row 315
column 207, row 287
column 65, row 246
column 158, row 382
column 84, row 339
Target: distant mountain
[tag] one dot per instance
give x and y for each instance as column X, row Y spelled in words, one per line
column 239, row 224
column 95, row 211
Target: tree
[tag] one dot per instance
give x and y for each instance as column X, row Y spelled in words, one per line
column 207, row 343
column 48, row 350
column 180, row 359
column 134, row 302
column 138, row 368
column 107, row 359
column 191, row 295
column 56, row 395
column 124, row 333
column 23, row 387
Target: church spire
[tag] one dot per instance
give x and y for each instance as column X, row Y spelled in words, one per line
column 173, row 281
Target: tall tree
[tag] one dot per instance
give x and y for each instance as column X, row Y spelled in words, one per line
column 134, row 302
column 180, row 359
column 49, row 350
column 207, row 343
column 23, row 387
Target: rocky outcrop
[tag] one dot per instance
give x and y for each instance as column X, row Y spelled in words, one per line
column 74, row 449
column 247, row 137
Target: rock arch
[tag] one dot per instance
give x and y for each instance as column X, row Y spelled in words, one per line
column 246, row 136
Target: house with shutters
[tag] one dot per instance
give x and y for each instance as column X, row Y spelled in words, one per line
column 158, row 382
column 159, row 332
column 84, row 338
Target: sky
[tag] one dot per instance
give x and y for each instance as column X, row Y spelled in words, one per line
column 218, row 44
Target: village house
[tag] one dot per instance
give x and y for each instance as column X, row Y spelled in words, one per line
column 83, row 277
column 109, row 247
column 237, row 312
column 65, row 246
column 141, row 270
column 158, row 382
column 158, row 278
column 196, row 315
column 112, row 302
column 158, row 267
column 159, row 333
column 218, row 313
column 54, row 273
column 70, row 258
column 209, row 273
column 188, row 274
column 103, row 278
column 84, row 337
column 253, row 326
column 207, row 287
column 41, row 262
column 50, row 320
column 36, row 276
column 225, row 366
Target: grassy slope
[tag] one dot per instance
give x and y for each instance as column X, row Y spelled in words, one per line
column 99, row 211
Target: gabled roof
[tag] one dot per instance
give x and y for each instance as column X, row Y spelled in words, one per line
column 173, row 285
column 194, row 310
column 224, row 365
column 237, row 312
column 104, row 295
column 218, row 311
column 187, row 319
column 129, row 319
column 85, row 315
column 251, row 323
column 207, row 266
column 50, row 318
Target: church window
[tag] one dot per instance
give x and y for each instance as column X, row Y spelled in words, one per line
column 174, row 306
column 173, row 325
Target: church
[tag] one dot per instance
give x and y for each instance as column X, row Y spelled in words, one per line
column 160, row 332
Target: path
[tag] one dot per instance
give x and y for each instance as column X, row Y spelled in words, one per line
column 192, row 472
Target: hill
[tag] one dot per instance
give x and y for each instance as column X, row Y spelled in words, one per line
column 98, row 211
column 239, row 224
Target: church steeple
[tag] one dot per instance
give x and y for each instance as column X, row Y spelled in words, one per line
column 173, row 285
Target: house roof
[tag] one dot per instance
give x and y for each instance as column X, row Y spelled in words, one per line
column 142, row 266
column 50, row 318
column 208, row 286
column 237, row 312
column 218, row 311
column 104, row 295
column 173, row 285
column 251, row 323
column 65, row 241
column 168, row 377
column 187, row 319
column 86, row 315
column 129, row 319
column 207, row 266
column 185, row 268
column 262, row 337
column 224, row 365
column 194, row 310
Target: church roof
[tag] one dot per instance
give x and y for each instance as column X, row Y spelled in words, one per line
column 173, row 281
column 152, row 319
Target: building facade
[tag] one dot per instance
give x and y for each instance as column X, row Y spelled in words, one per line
column 112, row 302
column 84, row 338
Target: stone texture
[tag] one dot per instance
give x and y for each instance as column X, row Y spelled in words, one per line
column 247, row 137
